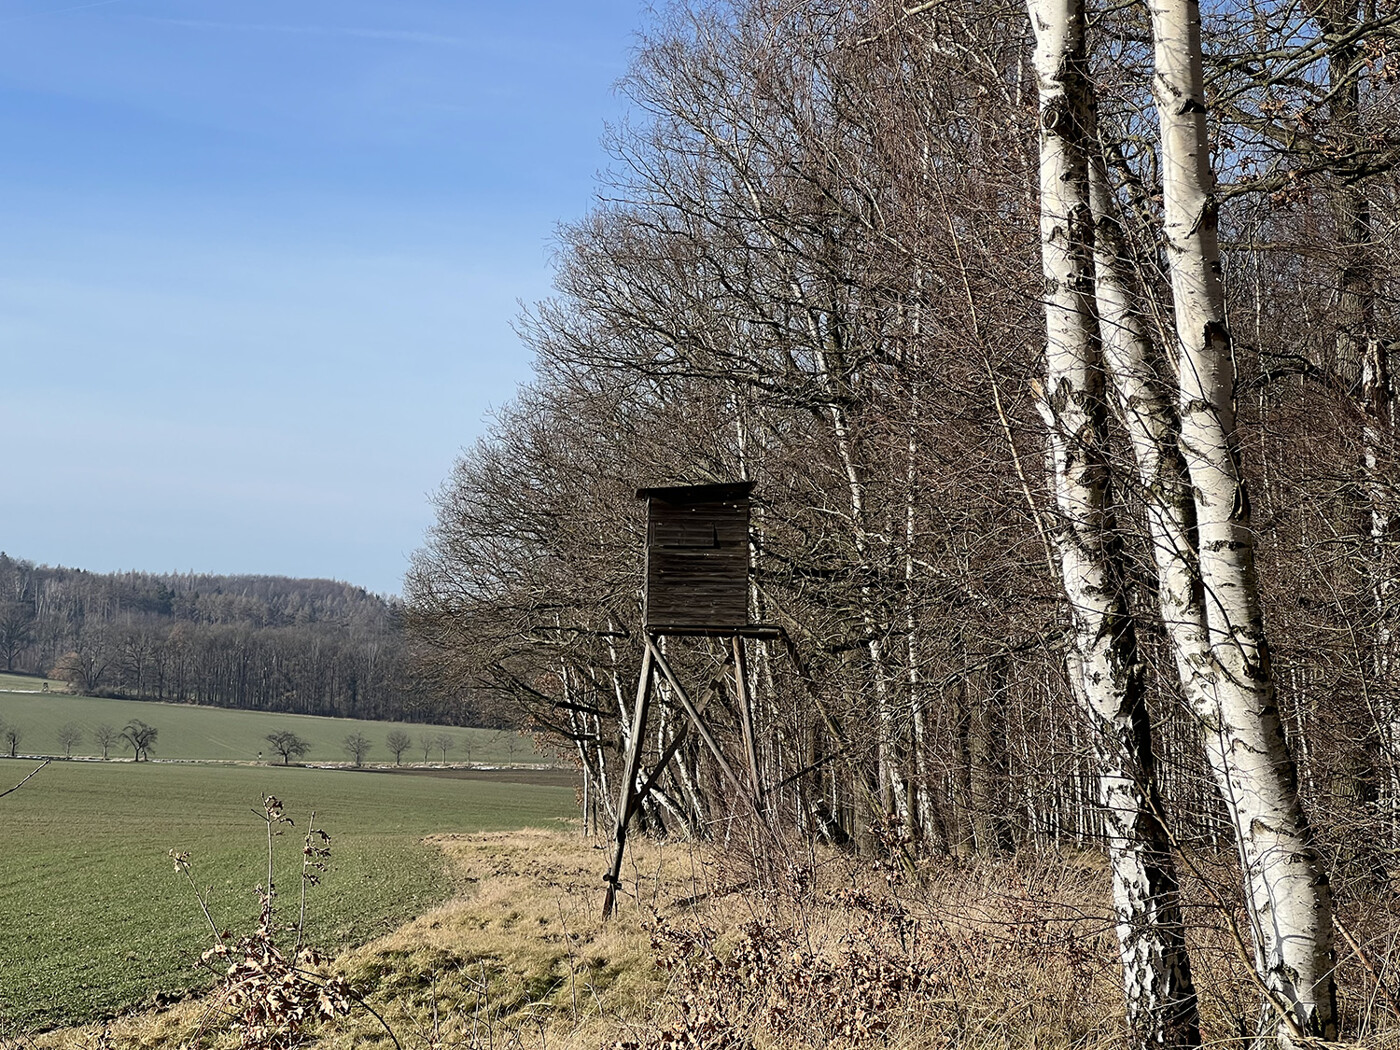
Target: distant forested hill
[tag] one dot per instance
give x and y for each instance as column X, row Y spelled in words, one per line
column 269, row 643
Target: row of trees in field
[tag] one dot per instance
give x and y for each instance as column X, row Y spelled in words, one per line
column 139, row 738
column 1076, row 467
column 251, row 642
column 136, row 736
column 288, row 745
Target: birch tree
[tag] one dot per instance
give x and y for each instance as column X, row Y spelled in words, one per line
column 1287, row 892
column 1161, row 1000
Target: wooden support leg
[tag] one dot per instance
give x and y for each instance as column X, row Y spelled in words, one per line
column 629, row 776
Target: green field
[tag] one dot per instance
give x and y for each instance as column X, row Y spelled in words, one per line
column 95, row 917
column 188, row 732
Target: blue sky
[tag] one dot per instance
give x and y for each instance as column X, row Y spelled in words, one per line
column 259, row 263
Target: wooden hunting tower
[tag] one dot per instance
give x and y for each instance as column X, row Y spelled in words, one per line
column 696, row 583
column 697, row 558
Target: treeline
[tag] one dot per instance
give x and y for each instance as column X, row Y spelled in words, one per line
column 266, row 643
column 819, row 267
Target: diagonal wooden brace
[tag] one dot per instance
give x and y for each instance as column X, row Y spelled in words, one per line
column 700, row 727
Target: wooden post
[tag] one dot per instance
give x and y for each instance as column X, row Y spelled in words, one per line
column 666, row 756
column 629, row 776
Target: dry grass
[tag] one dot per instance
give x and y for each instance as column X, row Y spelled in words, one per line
column 712, row 950
column 523, row 958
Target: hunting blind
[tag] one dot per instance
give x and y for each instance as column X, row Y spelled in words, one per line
column 697, row 558
column 696, row 582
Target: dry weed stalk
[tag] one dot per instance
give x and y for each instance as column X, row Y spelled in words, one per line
column 1009, row 952
column 272, row 996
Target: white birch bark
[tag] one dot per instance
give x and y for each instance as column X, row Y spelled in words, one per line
column 924, row 818
column 1161, row 1004
column 1378, row 404
column 1287, row 891
column 893, row 794
column 605, row 791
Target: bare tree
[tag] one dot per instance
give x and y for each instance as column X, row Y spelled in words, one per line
column 105, row 736
column 85, row 666
column 70, row 735
column 445, row 742
column 357, row 746
column 398, row 742
column 11, row 735
column 16, row 630
column 1106, row 664
column 287, row 744
column 140, row 738
column 1286, row 887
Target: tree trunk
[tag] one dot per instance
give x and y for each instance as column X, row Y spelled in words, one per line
column 1287, row 891
column 963, row 837
column 1361, row 361
column 987, row 763
column 1161, row 1001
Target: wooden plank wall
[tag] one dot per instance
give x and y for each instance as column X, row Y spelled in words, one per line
column 697, row 572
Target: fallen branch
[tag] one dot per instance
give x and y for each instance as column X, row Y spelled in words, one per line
column 26, row 780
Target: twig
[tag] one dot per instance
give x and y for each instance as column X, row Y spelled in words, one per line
column 182, row 865
column 306, row 862
column 315, row 978
column 904, row 16
column 377, row 1016
column 1385, row 992
column 26, row 780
